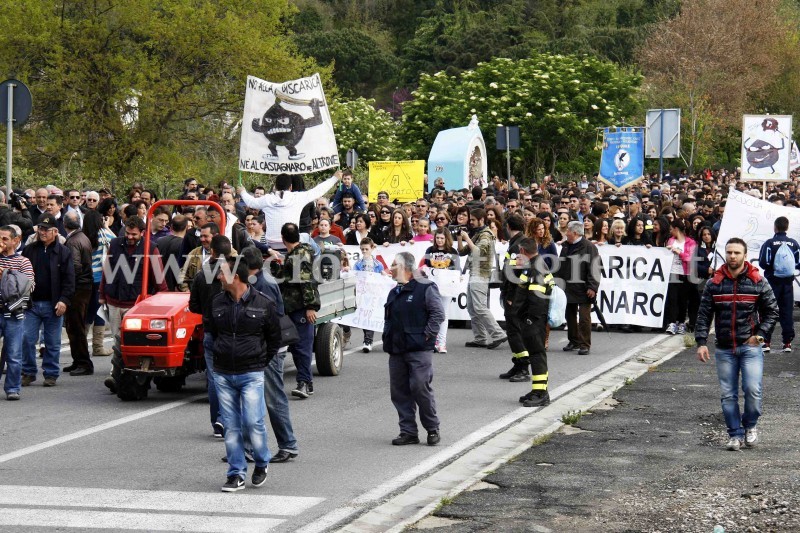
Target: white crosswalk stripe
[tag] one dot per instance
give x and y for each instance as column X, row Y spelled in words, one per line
column 150, row 510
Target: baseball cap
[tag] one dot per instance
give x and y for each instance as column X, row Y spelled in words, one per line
column 47, row 221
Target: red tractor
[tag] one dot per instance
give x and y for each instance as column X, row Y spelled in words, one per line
column 162, row 341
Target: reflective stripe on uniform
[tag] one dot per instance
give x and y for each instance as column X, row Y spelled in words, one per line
column 539, row 377
column 539, row 381
column 540, row 288
column 523, row 278
column 520, row 354
column 539, row 386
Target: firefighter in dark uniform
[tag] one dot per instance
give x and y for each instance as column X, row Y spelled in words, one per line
column 532, row 303
column 515, row 226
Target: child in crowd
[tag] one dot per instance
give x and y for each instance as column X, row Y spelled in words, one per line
column 423, row 231
column 442, row 255
column 347, row 185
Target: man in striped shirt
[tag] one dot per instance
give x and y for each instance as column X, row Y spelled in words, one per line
column 11, row 327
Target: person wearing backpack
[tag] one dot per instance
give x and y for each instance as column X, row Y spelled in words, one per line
column 532, row 305
column 779, row 258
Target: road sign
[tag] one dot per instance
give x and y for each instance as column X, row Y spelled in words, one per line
column 663, row 134
column 21, row 103
column 508, row 137
column 352, row 158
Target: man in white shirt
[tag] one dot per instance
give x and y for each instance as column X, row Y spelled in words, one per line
column 283, row 205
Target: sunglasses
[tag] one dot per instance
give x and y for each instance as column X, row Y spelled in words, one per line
column 440, row 219
column 91, row 200
column 372, row 215
column 74, row 197
column 386, row 212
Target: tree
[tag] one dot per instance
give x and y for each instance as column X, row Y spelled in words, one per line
column 718, row 60
column 557, row 101
column 371, row 132
column 153, row 86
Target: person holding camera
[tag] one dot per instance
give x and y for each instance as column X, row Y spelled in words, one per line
column 480, row 248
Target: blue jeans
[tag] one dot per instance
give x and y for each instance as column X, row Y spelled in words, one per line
column 11, row 329
column 42, row 314
column 242, row 410
column 208, row 353
column 278, row 404
column 750, row 361
column 303, row 350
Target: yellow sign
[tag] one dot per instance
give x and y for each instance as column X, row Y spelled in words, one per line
column 403, row 180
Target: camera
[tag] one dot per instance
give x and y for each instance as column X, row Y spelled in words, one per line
column 455, row 231
column 18, row 201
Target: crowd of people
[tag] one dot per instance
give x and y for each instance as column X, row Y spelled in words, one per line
column 59, row 249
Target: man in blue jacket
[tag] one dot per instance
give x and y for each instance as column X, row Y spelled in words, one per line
column 413, row 316
column 782, row 283
column 347, row 186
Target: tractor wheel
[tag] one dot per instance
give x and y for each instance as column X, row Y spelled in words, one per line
column 131, row 387
column 329, row 349
column 169, row 384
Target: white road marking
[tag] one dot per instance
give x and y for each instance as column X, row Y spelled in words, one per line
column 96, row 429
column 52, row 518
column 435, row 462
column 156, row 500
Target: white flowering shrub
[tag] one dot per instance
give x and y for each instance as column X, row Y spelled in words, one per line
column 372, row 132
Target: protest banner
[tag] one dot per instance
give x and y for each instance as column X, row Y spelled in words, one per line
column 634, row 284
column 286, row 128
column 766, row 147
column 622, row 158
column 753, row 220
column 372, row 290
column 403, row 180
column 794, row 157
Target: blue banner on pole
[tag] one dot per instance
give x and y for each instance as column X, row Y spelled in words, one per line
column 622, row 159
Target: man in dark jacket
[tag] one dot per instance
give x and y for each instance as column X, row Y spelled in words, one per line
column 122, row 283
column 515, row 225
column 205, row 286
column 745, row 311
column 412, row 318
column 54, row 273
column 247, row 335
column 782, row 283
column 579, row 267
column 531, row 305
column 75, row 317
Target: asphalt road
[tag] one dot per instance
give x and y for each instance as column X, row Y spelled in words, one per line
column 76, row 456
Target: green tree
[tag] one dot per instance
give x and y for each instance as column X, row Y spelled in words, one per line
column 151, row 87
column 371, row 132
column 557, row 101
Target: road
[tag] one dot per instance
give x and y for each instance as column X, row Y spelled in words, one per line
column 76, row 456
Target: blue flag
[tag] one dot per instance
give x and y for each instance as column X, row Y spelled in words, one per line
column 622, row 160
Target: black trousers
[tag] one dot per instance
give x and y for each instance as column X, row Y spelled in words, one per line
column 75, row 324
column 534, row 333
column 579, row 324
column 513, row 331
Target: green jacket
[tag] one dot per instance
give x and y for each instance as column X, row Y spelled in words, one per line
column 482, row 255
column 297, row 283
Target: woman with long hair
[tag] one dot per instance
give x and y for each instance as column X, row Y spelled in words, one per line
column 423, row 231
column 255, row 228
column 399, row 230
column 589, row 222
column 661, row 231
column 637, row 236
column 707, row 258
column 601, row 231
column 361, row 231
column 681, row 290
column 108, row 208
column 537, row 231
column 95, row 227
column 381, row 228
column 442, row 255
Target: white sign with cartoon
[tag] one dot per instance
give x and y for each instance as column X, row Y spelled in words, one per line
column 766, row 147
column 286, row 128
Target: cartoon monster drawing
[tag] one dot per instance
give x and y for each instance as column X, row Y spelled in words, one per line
column 286, row 128
column 764, row 152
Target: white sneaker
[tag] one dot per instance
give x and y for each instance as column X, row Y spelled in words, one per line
column 765, row 347
column 442, row 348
column 787, row 347
column 672, row 329
column 734, row 444
column 366, row 348
column 751, row 437
column 681, row 329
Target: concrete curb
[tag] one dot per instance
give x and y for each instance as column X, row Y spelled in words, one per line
column 580, row 394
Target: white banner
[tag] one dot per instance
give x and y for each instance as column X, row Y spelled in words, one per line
column 286, row 128
column 633, row 289
column 753, row 220
column 634, row 285
column 766, row 147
